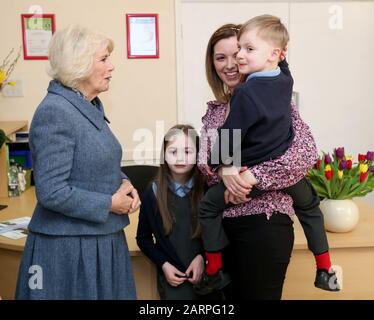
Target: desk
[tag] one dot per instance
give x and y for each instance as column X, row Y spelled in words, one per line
column 353, row 251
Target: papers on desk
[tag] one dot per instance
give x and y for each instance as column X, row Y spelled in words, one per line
column 15, row 234
column 15, row 228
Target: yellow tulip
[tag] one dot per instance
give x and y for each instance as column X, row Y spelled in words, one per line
column 340, row 174
column 327, row 167
column 2, row 76
column 348, row 157
column 363, row 168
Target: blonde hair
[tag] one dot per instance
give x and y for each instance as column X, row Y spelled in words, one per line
column 220, row 90
column 71, row 53
column 270, row 28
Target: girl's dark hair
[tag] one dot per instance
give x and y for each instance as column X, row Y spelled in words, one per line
column 163, row 179
column 220, row 91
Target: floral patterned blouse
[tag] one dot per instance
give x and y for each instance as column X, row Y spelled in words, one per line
column 272, row 175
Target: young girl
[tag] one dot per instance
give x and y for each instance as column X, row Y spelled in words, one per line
column 168, row 214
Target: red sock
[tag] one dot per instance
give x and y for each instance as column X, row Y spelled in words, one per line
column 323, row 261
column 214, row 262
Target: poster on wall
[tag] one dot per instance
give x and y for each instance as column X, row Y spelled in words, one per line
column 142, row 36
column 37, row 31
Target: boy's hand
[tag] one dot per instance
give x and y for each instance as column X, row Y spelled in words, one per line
column 230, row 198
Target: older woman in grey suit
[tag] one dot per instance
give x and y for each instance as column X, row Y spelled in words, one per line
column 76, row 248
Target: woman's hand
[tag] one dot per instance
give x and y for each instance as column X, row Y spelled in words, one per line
column 126, row 186
column 247, row 176
column 229, row 197
column 195, row 269
column 121, row 201
column 171, row 273
column 135, row 201
column 234, row 182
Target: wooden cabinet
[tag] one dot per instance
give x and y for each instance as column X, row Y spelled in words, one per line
column 10, row 128
column 352, row 256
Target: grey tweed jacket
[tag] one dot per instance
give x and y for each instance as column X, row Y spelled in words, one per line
column 77, row 166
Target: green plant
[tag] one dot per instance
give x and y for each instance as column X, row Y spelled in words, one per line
column 6, row 68
column 339, row 178
column 3, row 138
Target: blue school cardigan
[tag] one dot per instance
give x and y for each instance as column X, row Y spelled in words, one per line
column 77, row 166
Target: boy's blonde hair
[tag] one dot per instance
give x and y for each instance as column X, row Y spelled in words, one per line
column 270, row 28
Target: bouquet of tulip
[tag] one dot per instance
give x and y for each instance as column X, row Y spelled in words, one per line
column 337, row 177
column 7, row 67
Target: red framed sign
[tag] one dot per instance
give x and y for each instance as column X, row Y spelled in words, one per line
column 37, row 31
column 142, row 36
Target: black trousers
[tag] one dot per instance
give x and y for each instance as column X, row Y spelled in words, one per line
column 305, row 202
column 260, row 252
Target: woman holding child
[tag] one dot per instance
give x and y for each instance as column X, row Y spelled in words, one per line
column 260, row 230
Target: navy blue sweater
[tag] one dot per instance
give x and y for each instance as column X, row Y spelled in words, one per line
column 261, row 109
column 151, row 237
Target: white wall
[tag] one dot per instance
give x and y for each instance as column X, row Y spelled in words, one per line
column 333, row 71
column 142, row 90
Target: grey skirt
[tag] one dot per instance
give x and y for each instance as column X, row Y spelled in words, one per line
column 76, row 267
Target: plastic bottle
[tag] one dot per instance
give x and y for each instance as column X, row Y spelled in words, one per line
column 21, row 174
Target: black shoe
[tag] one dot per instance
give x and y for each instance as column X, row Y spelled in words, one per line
column 326, row 280
column 210, row 283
